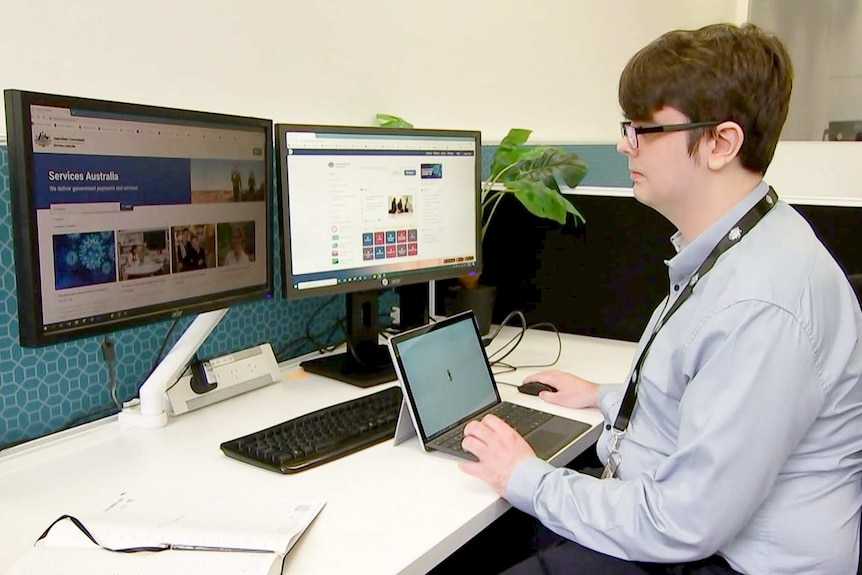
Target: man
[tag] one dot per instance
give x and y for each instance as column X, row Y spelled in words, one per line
column 741, row 451
column 252, row 186
column 182, row 248
column 196, row 257
column 236, row 183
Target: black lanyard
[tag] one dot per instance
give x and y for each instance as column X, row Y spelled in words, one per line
column 149, row 548
column 737, row 232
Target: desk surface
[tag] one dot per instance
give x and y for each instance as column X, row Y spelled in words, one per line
column 389, row 509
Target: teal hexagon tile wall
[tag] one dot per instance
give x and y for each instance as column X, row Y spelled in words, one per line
column 43, row 390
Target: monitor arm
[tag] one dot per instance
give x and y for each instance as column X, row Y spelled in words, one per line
column 150, row 412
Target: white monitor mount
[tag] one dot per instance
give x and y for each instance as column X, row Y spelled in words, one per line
column 151, row 411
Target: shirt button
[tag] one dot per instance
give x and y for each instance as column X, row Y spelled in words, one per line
column 676, row 287
column 608, row 427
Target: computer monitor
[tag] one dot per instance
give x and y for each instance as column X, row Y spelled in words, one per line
column 125, row 213
column 366, row 209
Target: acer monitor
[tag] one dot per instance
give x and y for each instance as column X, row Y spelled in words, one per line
column 365, row 209
column 127, row 213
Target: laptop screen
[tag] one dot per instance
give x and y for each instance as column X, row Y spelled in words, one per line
column 445, row 372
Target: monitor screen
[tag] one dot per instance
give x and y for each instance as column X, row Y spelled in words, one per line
column 365, row 209
column 125, row 213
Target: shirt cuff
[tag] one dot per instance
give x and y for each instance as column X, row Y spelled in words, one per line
column 523, row 482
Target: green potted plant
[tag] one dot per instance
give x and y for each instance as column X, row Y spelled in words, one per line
column 536, row 176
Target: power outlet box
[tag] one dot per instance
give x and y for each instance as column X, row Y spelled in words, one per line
column 233, row 374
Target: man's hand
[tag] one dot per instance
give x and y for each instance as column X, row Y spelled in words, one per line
column 499, row 449
column 572, row 391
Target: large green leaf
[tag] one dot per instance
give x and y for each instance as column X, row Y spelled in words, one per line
column 543, row 201
column 535, row 176
column 510, row 150
column 551, row 166
column 390, row 121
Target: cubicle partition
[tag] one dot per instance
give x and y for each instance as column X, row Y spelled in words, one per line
column 601, row 279
column 604, row 278
column 839, row 228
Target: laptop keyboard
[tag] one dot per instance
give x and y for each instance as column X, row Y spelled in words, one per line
column 522, row 419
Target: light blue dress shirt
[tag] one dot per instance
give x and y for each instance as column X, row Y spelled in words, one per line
column 746, row 439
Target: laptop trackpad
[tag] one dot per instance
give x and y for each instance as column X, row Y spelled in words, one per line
column 554, row 435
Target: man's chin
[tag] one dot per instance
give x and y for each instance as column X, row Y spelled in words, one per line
column 640, row 193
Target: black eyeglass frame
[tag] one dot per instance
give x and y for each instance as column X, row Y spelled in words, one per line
column 631, row 132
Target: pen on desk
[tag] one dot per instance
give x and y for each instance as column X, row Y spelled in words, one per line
column 180, row 547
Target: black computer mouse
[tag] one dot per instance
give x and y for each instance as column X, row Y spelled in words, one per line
column 534, row 387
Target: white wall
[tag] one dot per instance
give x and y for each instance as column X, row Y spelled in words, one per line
column 818, row 172
column 824, row 39
column 826, row 172
column 549, row 65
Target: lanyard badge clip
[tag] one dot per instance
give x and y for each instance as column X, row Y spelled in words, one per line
column 614, row 456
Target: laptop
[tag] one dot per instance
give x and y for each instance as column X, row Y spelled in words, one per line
column 447, row 382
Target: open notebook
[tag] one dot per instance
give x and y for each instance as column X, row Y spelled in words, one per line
column 447, row 382
column 215, row 535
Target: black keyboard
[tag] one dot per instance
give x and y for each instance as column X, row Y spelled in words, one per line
column 320, row 436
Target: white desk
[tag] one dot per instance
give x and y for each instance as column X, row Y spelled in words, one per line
column 390, row 509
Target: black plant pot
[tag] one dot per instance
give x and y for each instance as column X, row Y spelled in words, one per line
column 480, row 299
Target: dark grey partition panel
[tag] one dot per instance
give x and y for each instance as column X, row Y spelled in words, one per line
column 605, row 278
column 840, row 230
column 602, row 279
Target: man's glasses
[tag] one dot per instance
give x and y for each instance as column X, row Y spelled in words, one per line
column 631, row 132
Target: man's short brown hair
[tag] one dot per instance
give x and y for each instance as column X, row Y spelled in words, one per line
column 719, row 72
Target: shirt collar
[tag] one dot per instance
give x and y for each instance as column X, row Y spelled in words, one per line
column 691, row 254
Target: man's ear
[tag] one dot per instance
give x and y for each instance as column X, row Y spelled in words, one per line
column 724, row 145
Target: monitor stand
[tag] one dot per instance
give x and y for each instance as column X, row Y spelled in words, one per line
column 413, row 301
column 365, row 363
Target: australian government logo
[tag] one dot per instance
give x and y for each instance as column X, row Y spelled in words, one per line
column 43, row 140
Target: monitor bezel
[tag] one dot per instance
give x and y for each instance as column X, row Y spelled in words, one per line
column 398, row 280
column 24, row 224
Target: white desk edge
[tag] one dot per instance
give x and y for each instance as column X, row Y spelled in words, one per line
column 389, row 509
